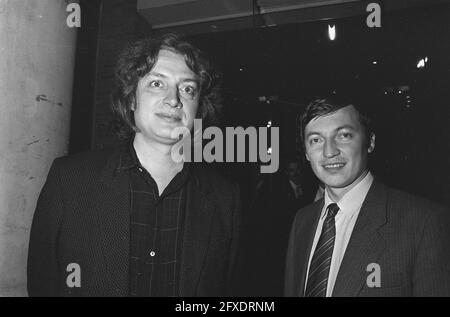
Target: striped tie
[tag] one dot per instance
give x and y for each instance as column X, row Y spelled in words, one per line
column 319, row 268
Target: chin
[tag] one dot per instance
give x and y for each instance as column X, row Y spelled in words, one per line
column 161, row 137
column 164, row 131
column 338, row 185
column 167, row 140
column 335, row 182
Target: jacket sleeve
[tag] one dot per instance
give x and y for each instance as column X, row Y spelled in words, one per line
column 42, row 266
column 431, row 273
column 233, row 271
column 289, row 271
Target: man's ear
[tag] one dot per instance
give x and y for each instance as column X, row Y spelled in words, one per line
column 307, row 157
column 371, row 147
column 134, row 103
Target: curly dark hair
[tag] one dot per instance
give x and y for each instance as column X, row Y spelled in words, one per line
column 138, row 59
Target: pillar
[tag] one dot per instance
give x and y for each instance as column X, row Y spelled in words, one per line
column 37, row 52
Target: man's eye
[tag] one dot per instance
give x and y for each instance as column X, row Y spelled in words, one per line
column 189, row 90
column 314, row 141
column 345, row 135
column 155, row 84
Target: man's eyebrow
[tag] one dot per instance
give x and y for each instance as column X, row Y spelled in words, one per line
column 183, row 79
column 350, row 127
column 157, row 74
column 190, row 79
column 311, row 133
column 347, row 126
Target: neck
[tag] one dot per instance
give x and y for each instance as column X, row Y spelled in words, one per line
column 336, row 194
column 155, row 157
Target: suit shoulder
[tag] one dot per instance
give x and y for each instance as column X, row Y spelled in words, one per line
column 84, row 161
column 312, row 208
column 400, row 200
column 401, row 196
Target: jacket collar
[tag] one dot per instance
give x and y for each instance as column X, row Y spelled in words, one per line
column 366, row 243
column 112, row 173
column 304, row 236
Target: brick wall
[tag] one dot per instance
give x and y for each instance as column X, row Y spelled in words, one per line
column 119, row 24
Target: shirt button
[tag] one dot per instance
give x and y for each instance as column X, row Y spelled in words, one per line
column 140, row 169
column 152, row 253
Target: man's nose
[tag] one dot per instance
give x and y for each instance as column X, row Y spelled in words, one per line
column 330, row 149
column 173, row 98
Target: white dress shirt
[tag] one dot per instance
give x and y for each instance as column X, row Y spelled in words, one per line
column 349, row 207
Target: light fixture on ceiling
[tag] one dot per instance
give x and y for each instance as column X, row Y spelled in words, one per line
column 332, row 32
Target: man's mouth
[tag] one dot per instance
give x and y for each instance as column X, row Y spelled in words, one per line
column 333, row 166
column 169, row 117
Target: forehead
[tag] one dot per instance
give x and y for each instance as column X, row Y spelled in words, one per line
column 344, row 117
column 171, row 63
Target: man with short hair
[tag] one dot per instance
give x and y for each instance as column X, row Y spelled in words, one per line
column 363, row 238
column 133, row 220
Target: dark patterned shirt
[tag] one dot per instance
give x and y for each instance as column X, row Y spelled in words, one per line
column 156, row 230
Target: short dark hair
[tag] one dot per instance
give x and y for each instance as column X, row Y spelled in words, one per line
column 321, row 106
column 138, row 59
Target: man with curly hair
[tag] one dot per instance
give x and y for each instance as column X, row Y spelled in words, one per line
column 133, row 221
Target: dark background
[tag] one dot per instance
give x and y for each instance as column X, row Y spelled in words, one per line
column 290, row 64
column 296, row 62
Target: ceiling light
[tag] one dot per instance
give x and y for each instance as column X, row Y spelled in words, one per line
column 332, row 32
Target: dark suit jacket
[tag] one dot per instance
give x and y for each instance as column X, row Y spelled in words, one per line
column 407, row 236
column 83, row 216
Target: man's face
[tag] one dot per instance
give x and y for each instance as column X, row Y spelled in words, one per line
column 337, row 148
column 166, row 98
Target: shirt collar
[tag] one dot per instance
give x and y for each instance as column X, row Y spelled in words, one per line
column 352, row 201
column 128, row 158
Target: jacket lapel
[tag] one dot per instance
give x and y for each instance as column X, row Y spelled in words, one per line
column 305, row 236
column 365, row 245
column 197, row 233
column 113, row 205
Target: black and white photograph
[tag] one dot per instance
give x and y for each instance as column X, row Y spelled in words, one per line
column 246, row 151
